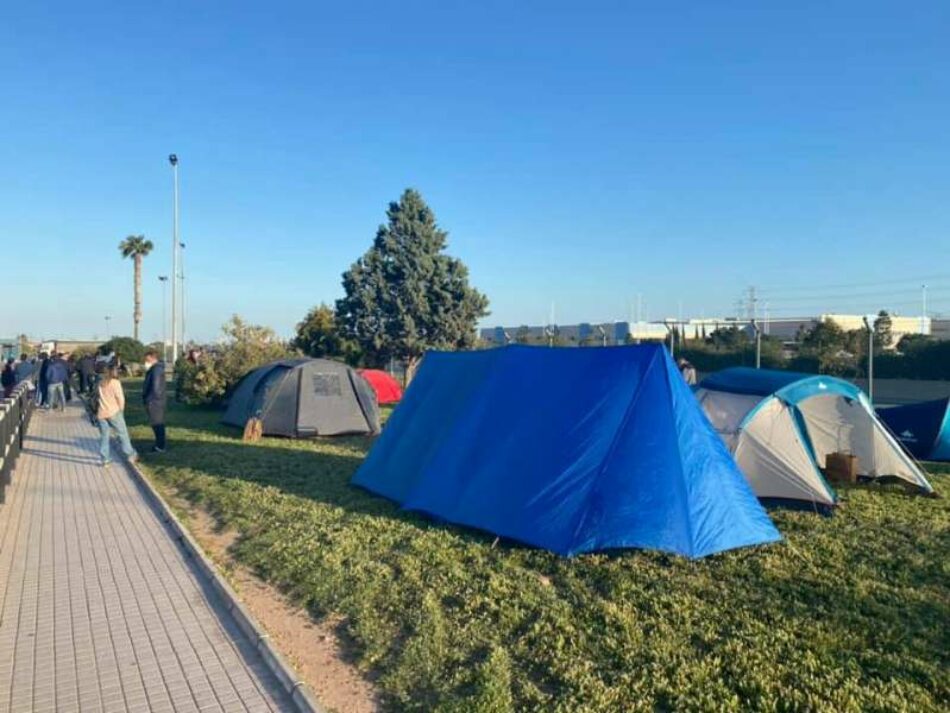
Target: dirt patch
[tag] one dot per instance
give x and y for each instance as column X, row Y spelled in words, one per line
column 312, row 647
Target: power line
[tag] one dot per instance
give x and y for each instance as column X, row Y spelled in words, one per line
column 886, row 294
column 874, row 283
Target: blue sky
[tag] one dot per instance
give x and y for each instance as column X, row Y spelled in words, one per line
column 578, row 153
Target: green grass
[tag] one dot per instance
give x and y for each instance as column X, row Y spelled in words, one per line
column 849, row 614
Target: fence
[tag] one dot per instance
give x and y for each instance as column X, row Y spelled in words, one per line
column 15, row 413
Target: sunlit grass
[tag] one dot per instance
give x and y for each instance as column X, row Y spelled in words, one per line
column 849, row 614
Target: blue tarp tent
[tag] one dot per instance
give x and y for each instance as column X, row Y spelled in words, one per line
column 782, row 426
column 572, row 450
column 923, row 428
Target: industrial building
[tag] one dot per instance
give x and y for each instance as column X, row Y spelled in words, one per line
column 787, row 329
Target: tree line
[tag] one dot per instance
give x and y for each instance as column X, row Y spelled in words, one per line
column 826, row 348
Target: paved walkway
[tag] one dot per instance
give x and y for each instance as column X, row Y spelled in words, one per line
column 101, row 610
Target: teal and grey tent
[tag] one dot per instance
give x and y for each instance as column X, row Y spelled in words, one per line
column 781, row 426
column 923, row 428
column 300, row 398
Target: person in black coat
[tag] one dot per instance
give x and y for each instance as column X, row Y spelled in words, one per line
column 87, row 373
column 42, row 382
column 153, row 395
column 8, row 379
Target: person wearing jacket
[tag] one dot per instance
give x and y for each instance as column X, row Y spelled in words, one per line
column 57, row 373
column 24, row 370
column 110, row 415
column 42, row 384
column 153, row 395
column 8, row 378
column 87, row 373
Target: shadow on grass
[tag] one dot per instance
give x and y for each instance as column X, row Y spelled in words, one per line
column 316, row 469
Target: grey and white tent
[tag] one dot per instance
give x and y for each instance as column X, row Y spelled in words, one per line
column 301, row 398
column 781, row 427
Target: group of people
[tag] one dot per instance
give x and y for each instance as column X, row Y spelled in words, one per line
column 49, row 373
column 110, row 408
column 51, row 378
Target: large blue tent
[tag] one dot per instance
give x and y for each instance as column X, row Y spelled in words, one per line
column 923, row 428
column 572, row 450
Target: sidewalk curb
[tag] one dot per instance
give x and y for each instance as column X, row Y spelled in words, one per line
column 298, row 691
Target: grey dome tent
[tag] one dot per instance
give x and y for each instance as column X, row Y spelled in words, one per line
column 301, row 398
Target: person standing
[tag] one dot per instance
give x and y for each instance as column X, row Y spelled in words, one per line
column 70, row 370
column 42, row 384
column 110, row 416
column 8, row 378
column 24, row 370
column 153, row 395
column 87, row 373
column 688, row 371
column 56, row 375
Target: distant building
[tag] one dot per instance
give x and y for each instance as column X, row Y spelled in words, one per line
column 787, row 329
column 900, row 326
column 593, row 333
column 67, row 346
column 940, row 328
column 8, row 348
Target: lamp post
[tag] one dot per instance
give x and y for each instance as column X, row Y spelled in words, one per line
column 869, row 323
column 108, row 336
column 670, row 329
column 173, row 160
column 164, row 280
column 181, row 276
column 758, row 344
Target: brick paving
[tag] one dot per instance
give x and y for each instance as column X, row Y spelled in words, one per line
column 101, row 609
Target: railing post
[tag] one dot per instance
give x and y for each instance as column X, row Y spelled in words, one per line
column 14, row 418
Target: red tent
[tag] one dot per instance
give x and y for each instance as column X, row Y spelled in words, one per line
column 386, row 387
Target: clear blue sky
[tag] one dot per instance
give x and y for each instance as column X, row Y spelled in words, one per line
column 577, row 152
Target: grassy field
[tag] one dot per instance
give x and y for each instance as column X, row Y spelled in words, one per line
column 851, row 613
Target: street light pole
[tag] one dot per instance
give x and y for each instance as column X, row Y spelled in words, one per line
column 923, row 309
column 164, row 280
column 181, row 266
column 869, row 323
column 758, row 344
column 173, row 160
column 672, row 339
column 108, row 336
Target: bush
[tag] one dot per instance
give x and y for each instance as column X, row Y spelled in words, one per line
column 129, row 350
column 319, row 336
column 245, row 348
column 79, row 352
column 922, row 360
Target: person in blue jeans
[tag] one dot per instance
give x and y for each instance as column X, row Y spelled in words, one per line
column 57, row 374
column 111, row 416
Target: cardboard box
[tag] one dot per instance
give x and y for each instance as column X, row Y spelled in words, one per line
column 841, row 467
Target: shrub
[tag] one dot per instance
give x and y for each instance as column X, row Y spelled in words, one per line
column 129, row 350
column 319, row 336
column 245, row 347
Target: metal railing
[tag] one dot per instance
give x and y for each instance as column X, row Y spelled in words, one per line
column 15, row 414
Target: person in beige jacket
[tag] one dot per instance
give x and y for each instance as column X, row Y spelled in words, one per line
column 110, row 415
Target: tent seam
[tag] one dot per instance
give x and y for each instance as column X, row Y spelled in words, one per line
column 611, row 450
column 679, row 460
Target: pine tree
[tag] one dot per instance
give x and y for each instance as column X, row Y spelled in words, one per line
column 405, row 295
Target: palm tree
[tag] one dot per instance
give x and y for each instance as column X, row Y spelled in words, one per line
column 136, row 247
